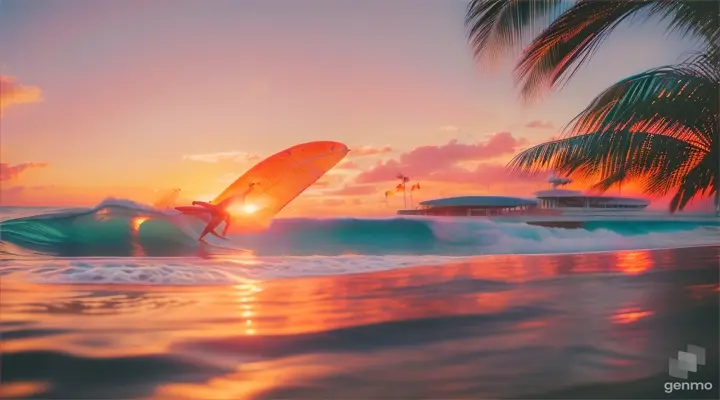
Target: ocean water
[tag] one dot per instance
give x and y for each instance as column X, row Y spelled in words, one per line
column 120, row 301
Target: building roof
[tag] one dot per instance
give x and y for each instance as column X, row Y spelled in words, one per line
column 479, row 201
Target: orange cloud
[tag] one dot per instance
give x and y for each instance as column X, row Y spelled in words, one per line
column 438, row 162
column 334, row 202
column 13, row 93
column 369, row 151
column 321, row 184
column 540, row 124
column 233, row 156
column 18, row 194
column 483, row 174
column 8, row 172
column 338, row 206
column 356, row 190
column 347, row 165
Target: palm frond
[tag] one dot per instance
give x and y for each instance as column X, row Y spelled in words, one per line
column 700, row 180
column 572, row 39
column 499, row 25
column 678, row 101
column 659, row 163
column 690, row 17
column 555, row 55
column 600, row 156
column 705, row 64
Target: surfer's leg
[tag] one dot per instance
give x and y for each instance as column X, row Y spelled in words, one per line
column 227, row 225
column 210, row 228
column 212, row 232
column 202, row 235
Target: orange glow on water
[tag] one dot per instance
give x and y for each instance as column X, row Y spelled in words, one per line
column 14, row 390
column 634, row 262
column 630, row 315
column 218, row 324
column 702, row 291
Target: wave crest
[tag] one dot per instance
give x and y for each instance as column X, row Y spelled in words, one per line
column 123, row 228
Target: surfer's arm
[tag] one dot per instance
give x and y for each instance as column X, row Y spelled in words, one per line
column 203, row 204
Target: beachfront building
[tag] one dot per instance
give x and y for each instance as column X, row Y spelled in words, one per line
column 473, row 206
column 548, row 202
column 573, row 199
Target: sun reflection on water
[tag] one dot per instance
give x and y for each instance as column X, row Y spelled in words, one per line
column 246, row 302
column 14, row 390
column 239, row 326
column 634, row 262
column 629, row 315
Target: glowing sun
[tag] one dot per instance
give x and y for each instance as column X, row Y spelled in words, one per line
column 249, row 208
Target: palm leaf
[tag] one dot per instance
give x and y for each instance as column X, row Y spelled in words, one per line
column 700, row 180
column 572, row 39
column 676, row 100
column 499, row 25
column 691, row 17
column 610, row 157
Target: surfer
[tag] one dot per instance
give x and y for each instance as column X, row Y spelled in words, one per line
column 219, row 213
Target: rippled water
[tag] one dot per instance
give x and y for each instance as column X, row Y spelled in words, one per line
column 572, row 326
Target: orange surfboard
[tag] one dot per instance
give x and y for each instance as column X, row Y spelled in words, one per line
column 279, row 179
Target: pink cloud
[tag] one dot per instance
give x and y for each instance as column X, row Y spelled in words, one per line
column 10, row 194
column 347, row 165
column 483, row 174
column 362, row 151
column 12, row 93
column 19, row 194
column 426, row 162
column 540, row 124
column 8, row 172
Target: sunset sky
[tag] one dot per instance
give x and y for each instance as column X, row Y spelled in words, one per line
column 121, row 98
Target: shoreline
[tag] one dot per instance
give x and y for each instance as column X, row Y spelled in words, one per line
column 459, row 258
column 234, row 274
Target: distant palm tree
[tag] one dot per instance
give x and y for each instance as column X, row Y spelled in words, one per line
column 660, row 127
column 401, row 186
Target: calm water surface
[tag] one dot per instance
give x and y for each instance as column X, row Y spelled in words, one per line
column 559, row 326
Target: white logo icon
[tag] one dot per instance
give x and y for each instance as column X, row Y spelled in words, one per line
column 687, row 361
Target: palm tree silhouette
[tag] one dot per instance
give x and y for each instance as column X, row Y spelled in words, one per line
column 659, row 128
column 401, row 187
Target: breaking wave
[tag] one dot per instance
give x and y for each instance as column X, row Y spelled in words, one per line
column 121, row 228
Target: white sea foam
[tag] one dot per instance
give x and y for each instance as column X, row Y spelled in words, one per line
column 201, row 272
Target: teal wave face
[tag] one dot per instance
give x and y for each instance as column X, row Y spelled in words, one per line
column 126, row 230
column 632, row 228
column 104, row 231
